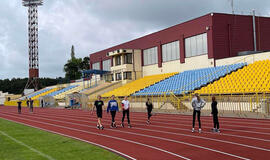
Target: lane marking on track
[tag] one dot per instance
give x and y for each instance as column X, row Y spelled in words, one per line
column 117, row 138
column 165, row 139
column 225, row 134
column 27, row 146
column 186, row 119
column 99, row 145
column 205, row 138
column 235, row 130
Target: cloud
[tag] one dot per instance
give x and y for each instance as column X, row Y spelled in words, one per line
column 93, row 25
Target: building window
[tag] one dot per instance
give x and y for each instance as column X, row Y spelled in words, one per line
column 118, row 76
column 127, row 75
column 118, row 60
column 150, row 56
column 170, row 51
column 106, row 65
column 128, row 58
column 96, row 66
column 196, row 45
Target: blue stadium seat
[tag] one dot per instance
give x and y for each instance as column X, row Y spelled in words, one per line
column 190, row 80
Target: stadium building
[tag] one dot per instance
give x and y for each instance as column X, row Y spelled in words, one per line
column 205, row 41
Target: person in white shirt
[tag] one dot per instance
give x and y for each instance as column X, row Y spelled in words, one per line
column 197, row 104
column 125, row 109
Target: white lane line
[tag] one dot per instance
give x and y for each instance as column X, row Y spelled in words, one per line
column 93, row 133
column 65, row 120
column 89, row 142
column 226, row 134
column 27, row 146
column 188, row 120
column 160, row 138
column 236, row 130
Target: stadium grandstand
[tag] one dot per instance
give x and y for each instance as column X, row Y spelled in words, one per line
column 210, row 55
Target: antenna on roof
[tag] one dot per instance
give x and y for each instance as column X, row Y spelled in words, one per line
column 232, row 5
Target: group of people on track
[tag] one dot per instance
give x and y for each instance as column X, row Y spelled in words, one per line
column 113, row 108
column 197, row 103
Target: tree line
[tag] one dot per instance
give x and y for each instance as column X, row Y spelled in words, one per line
column 72, row 70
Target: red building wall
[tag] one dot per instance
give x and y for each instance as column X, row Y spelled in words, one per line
column 234, row 33
column 157, row 39
column 227, row 35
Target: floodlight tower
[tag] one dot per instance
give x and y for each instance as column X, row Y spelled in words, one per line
column 33, row 42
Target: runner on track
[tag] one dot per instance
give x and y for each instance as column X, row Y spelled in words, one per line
column 113, row 107
column 99, row 104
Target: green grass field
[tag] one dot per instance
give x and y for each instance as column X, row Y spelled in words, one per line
column 55, row 146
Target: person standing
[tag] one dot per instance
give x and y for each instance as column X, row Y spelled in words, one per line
column 31, row 102
column 149, row 107
column 27, row 102
column 197, row 104
column 112, row 107
column 19, row 106
column 215, row 115
column 99, row 104
column 125, row 108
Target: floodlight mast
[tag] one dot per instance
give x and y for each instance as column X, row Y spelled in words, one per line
column 33, row 42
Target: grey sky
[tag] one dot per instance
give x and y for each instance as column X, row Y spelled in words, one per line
column 93, row 25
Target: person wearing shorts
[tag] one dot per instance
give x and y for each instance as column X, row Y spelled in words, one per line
column 99, row 104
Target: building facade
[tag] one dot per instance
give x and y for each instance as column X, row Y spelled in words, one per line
column 197, row 43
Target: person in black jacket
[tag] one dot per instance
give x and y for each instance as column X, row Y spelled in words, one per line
column 215, row 115
column 149, row 107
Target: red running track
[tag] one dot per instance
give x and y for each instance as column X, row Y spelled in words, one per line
column 167, row 137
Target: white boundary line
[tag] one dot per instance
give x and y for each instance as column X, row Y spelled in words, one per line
column 160, row 138
column 65, row 120
column 29, row 147
column 208, row 121
column 225, row 134
column 138, row 120
column 117, row 138
column 99, row 145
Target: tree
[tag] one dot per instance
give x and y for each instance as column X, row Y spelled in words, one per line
column 85, row 63
column 72, row 68
column 72, row 52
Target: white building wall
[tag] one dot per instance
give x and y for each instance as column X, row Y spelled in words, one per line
column 175, row 66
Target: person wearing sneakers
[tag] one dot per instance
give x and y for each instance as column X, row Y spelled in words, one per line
column 99, row 104
column 125, row 108
column 112, row 107
column 197, row 104
column 149, row 107
column 215, row 115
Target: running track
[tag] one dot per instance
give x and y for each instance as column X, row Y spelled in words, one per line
column 168, row 137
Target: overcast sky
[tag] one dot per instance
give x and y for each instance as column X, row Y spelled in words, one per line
column 93, row 25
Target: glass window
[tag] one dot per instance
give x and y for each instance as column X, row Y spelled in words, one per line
column 96, row 66
column 171, row 51
column 127, row 75
column 150, row 56
column 128, row 58
column 118, row 60
column 118, row 76
column 106, row 65
column 196, row 45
